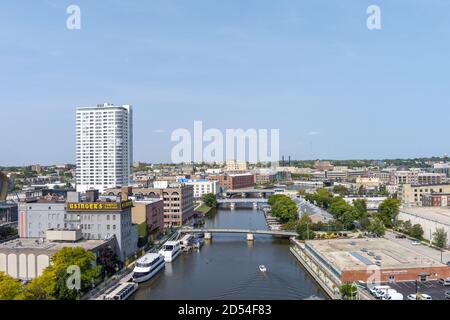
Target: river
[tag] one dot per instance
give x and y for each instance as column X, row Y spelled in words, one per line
column 227, row 267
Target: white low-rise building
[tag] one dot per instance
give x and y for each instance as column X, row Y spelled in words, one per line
column 202, row 186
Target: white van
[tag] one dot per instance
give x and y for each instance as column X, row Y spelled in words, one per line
column 393, row 296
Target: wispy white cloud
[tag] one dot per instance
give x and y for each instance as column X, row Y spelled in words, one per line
column 313, row 133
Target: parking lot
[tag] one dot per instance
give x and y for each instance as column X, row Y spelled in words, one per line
column 432, row 288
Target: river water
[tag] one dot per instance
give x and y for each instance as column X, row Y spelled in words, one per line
column 227, row 267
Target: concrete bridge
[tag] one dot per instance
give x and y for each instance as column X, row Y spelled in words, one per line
column 255, row 202
column 243, row 193
column 250, row 233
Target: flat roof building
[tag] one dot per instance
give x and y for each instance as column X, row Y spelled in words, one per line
column 370, row 260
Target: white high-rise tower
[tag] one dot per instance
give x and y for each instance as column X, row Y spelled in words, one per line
column 104, row 147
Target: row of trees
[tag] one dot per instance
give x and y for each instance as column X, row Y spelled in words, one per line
column 439, row 236
column 352, row 215
column 60, row 280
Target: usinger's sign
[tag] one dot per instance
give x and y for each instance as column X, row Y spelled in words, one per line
column 98, row 206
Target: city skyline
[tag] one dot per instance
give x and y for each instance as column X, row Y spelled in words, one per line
column 335, row 89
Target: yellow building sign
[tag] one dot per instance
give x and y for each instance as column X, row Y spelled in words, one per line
column 98, row 206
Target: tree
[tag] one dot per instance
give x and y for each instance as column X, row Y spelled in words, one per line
column 377, row 227
column 210, row 200
column 304, row 228
column 344, row 212
column 348, row 291
column 341, row 190
column 322, row 198
column 360, row 206
column 361, row 191
column 407, row 226
column 440, row 238
column 285, row 209
column 10, row 289
column 54, row 278
column 108, row 259
column 416, row 231
column 388, row 211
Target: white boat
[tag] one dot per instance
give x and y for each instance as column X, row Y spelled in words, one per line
column 170, row 250
column 186, row 241
column 262, row 268
column 122, row 291
column 148, row 266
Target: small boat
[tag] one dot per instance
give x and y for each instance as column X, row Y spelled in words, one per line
column 198, row 243
column 262, row 268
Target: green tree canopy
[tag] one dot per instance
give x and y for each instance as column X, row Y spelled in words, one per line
column 376, row 226
column 303, row 228
column 416, row 231
column 10, row 289
column 210, row 200
column 360, row 206
column 440, row 238
column 388, row 211
column 341, row 190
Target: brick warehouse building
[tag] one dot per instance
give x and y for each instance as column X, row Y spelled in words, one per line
column 234, row 181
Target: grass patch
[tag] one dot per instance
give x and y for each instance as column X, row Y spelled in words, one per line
column 203, row 209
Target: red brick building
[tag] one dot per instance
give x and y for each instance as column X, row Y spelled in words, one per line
column 233, row 181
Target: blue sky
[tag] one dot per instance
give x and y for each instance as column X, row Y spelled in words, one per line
column 310, row 68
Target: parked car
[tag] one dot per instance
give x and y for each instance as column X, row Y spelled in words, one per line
column 420, row 296
column 400, row 236
column 448, row 263
column 378, row 289
column 393, row 296
column 445, row 282
column 447, row 295
column 415, row 243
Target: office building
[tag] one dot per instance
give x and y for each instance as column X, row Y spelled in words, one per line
column 412, row 195
column 104, row 152
column 178, row 200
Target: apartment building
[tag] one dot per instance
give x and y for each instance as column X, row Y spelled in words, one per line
column 178, row 200
column 415, row 177
column 412, row 195
column 235, row 165
column 104, row 147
